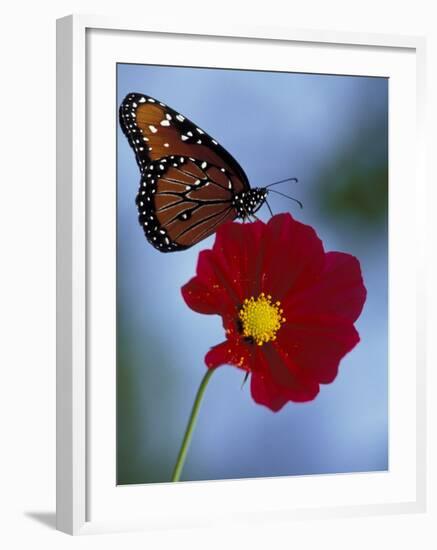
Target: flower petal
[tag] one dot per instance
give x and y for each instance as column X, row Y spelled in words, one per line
column 316, row 349
column 338, row 293
column 212, row 290
column 294, row 256
column 267, row 391
column 229, row 352
column 299, row 383
column 238, row 248
column 201, row 297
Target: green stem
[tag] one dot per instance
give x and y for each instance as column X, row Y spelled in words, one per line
column 190, row 426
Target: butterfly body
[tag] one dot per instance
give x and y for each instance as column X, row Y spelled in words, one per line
column 189, row 184
column 248, row 202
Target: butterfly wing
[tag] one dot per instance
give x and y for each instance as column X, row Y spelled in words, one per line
column 188, row 180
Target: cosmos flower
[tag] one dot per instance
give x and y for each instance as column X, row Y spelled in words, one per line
column 287, row 306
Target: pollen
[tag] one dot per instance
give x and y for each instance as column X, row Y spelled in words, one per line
column 261, row 318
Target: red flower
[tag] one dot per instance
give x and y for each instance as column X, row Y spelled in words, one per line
column 288, row 307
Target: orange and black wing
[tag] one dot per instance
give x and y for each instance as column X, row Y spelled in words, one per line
column 188, row 181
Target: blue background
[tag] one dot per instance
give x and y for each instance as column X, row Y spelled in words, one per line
column 332, row 133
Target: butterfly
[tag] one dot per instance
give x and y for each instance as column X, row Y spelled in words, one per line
column 190, row 184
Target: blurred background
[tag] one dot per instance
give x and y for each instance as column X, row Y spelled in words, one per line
column 332, row 133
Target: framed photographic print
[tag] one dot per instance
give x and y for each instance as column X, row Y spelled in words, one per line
column 240, row 333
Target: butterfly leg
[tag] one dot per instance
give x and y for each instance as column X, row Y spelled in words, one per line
column 270, row 210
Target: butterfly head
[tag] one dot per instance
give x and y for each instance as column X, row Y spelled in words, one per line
column 249, row 201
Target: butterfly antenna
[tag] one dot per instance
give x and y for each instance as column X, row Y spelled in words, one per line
column 246, row 376
column 286, row 196
column 270, row 210
column 282, row 181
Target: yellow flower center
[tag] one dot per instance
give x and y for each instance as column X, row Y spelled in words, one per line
column 261, row 318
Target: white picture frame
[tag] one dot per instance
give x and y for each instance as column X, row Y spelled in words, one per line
column 77, row 428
